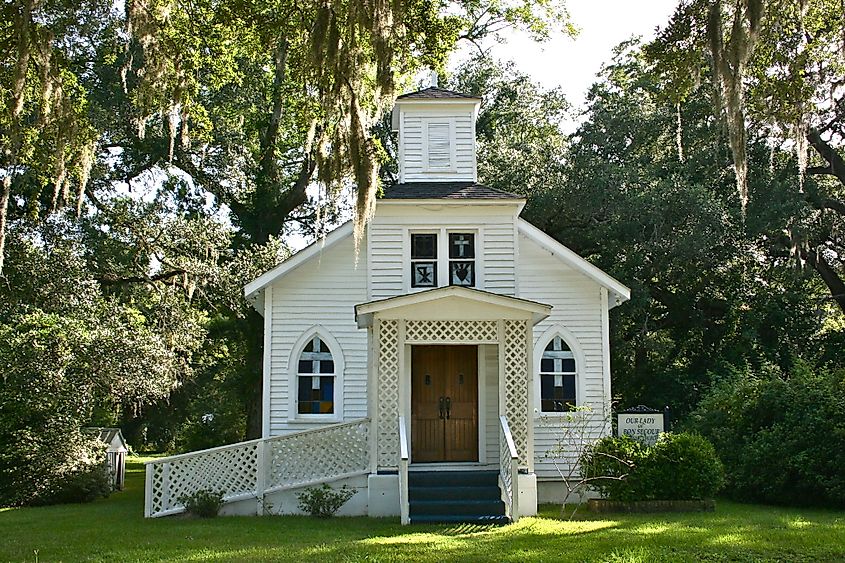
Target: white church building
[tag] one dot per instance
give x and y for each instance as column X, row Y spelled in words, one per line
column 433, row 371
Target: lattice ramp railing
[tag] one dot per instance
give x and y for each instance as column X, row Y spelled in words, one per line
column 439, row 332
column 388, row 394
column 516, row 385
column 251, row 469
column 230, row 470
column 313, row 455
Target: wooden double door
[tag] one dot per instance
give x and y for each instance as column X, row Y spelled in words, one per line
column 444, row 403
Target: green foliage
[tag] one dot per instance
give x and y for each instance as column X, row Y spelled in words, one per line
column 781, row 434
column 71, row 356
column 203, row 503
column 324, row 501
column 51, row 462
column 678, row 467
column 84, row 485
column 710, row 288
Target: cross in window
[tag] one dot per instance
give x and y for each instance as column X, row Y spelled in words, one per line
column 462, row 244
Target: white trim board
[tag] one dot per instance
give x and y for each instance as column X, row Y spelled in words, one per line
column 620, row 292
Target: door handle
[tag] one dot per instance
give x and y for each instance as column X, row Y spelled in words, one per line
column 448, row 407
column 442, row 408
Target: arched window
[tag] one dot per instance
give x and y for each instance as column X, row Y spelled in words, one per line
column 558, row 373
column 316, row 377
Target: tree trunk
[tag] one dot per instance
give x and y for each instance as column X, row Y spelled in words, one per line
column 829, row 275
column 4, row 207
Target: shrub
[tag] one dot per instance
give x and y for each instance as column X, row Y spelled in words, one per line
column 678, row 467
column 56, row 464
column 324, row 501
column 85, row 485
column 203, row 503
column 781, row 435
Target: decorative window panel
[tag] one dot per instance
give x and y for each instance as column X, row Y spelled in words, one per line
column 316, row 379
column 423, row 260
column 557, row 377
column 462, row 259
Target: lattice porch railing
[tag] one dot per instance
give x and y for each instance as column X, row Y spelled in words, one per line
column 508, row 469
column 253, row 469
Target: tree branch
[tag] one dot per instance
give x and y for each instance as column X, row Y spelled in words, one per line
column 111, row 279
column 835, row 163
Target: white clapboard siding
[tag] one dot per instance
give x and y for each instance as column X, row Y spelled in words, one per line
column 437, row 146
column 576, row 302
column 389, row 246
column 323, row 291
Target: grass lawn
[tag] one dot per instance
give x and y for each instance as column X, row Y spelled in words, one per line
column 114, row 529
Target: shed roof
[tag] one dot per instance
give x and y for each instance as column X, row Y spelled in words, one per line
column 111, row 436
column 446, row 190
column 435, row 93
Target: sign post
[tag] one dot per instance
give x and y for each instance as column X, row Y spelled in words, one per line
column 641, row 423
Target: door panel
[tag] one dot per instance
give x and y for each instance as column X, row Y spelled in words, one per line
column 444, row 403
column 427, row 427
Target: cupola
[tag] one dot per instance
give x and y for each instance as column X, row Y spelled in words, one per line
column 436, row 135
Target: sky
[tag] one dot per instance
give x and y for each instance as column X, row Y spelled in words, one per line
column 572, row 64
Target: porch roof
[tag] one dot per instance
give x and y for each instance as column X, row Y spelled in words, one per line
column 364, row 311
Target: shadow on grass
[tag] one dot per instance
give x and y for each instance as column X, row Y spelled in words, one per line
column 114, row 529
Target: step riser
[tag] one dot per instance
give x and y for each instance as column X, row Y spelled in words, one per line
column 455, row 508
column 454, row 479
column 455, row 493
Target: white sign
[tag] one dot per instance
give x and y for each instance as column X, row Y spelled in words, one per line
column 645, row 427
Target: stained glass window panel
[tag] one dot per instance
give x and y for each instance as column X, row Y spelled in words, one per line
column 461, row 245
column 557, row 377
column 423, row 246
column 316, row 395
column 424, row 274
column 462, row 273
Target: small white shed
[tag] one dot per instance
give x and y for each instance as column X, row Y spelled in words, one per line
column 115, row 454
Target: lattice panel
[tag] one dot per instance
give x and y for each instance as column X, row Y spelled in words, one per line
column 388, row 394
column 451, row 331
column 231, row 471
column 516, row 386
column 313, row 455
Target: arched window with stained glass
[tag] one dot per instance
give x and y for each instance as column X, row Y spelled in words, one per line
column 558, row 377
column 316, row 378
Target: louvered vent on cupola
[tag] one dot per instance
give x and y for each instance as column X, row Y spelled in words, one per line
column 436, row 136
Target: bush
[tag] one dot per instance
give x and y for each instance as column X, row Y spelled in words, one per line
column 324, row 501
column 678, row 467
column 780, row 435
column 54, row 464
column 85, row 485
column 203, row 503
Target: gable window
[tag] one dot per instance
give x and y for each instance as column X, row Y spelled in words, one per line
column 423, row 260
column 462, row 259
column 316, row 379
column 558, row 374
column 439, row 146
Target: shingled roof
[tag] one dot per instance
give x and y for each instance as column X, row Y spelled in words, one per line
column 445, row 190
column 435, row 93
